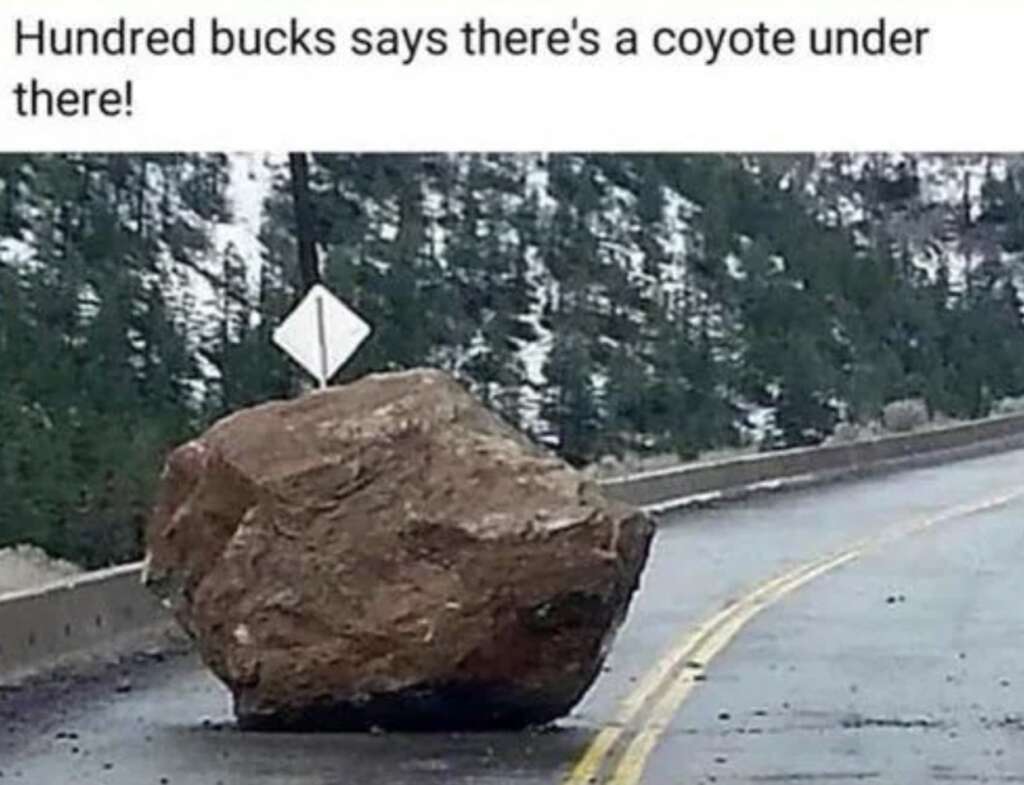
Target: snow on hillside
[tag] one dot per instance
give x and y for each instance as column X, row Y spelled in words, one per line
column 250, row 184
column 948, row 183
column 950, row 187
column 14, row 252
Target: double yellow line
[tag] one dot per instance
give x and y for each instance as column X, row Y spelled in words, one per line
column 618, row 754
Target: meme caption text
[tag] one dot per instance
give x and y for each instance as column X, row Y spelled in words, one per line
column 475, row 39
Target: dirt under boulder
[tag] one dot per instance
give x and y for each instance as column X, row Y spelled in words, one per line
column 390, row 554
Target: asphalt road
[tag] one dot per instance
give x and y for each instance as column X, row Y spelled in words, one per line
column 862, row 631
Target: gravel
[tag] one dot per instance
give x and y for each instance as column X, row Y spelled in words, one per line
column 27, row 567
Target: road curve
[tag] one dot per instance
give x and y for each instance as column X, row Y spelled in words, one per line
column 862, row 631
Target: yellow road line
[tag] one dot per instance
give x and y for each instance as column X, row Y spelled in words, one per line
column 678, row 656
column 634, row 759
column 672, row 677
column 589, row 766
column 679, row 653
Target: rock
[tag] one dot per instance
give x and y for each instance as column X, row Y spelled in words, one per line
column 390, row 554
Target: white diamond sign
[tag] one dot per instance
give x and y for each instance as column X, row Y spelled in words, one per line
column 322, row 333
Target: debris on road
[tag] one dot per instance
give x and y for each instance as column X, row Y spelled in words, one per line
column 391, row 554
column 858, row 721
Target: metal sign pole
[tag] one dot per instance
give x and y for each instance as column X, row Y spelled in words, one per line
column 322, row 336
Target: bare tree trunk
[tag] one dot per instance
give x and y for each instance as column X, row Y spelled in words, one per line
column 309, row 261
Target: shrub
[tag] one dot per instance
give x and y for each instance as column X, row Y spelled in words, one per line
column 905, row 416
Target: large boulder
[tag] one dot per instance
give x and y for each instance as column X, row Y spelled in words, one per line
column 391, row 554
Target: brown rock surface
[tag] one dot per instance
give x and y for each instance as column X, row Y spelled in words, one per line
column 391, row 554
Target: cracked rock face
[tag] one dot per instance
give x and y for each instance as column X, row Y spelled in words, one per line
column 390, row 554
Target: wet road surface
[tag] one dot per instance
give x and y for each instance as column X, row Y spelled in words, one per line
column 886, row 652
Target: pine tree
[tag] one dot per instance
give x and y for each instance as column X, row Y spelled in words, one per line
column 108, row 384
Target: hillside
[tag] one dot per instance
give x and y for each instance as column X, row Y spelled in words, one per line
column 606, row 303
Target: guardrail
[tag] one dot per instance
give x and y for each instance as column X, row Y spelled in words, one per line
column 40, row 628
column 674, row 486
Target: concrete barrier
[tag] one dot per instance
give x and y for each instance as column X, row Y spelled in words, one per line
column 39, row 629
column 663, row 487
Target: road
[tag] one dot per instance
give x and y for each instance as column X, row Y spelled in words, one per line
column 858, row 632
